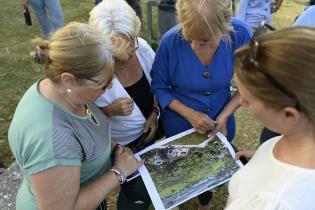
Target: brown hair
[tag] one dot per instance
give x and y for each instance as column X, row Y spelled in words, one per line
column 289, row 56
column 77, row 49
column 209, row 17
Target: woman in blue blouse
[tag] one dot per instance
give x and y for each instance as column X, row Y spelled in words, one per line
column 193, row 68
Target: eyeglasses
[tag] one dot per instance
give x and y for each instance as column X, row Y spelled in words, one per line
column 96, row 81
column 251, row 59
column 136, row 47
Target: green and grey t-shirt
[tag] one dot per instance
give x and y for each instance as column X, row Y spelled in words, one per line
column 43, row 135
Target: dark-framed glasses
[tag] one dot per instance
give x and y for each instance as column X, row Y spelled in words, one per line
column 136, row 47
column 251, row 60
column 98, row 82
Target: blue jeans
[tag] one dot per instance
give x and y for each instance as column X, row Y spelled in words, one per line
column 45, row 8
column 97, row 2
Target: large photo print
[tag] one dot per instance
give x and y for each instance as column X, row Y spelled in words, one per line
column 182, row 167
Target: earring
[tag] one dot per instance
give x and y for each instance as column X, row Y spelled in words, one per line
column 68, row 90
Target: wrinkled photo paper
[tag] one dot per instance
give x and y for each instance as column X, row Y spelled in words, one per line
column 183, row 166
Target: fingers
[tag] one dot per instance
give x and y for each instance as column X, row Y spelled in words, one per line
column 151, row 133
column 205, row 124
column 237, row 156
column 123, row 106
column 146, row 126
column 127, row 150
column 140, row 162
column 247, row 154
column 126, row 161
column 119, row 151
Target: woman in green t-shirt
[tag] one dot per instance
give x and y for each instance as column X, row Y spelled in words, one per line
column 60, row 139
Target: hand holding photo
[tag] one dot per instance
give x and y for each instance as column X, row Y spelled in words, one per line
column 186, row 165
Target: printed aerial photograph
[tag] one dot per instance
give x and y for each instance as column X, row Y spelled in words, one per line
column 188, row 166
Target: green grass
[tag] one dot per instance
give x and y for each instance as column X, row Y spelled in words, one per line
column 17, row 72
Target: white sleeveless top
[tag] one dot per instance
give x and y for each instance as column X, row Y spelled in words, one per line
column 125, row 129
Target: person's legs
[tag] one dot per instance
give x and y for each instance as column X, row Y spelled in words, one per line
column 97, row 2
column 41, row 14
column 54, row 8
column 204, row 200
column 133, row 195
column 138, row 9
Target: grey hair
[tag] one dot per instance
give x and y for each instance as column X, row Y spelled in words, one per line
column 115, row 17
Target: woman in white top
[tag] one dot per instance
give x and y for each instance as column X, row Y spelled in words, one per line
column 275, row 74
column 129, row 103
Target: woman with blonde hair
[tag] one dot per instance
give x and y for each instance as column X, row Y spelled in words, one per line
column 193, row 68
column 275, row 74
column 59, row 137
column 129, row 104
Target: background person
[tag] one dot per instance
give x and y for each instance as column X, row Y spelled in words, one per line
column 253, row 12
column 63, row 147
column 135, row 4
column 279, row 93
column 307, row 18
column 193, row 68
column 129, row 104
column 48, row 13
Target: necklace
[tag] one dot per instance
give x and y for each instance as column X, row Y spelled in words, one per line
column 88, row 111
column 90, row 114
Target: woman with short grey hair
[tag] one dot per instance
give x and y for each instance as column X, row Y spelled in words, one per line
column 130, row 104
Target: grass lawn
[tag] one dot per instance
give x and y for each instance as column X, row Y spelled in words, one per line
column 17, row 72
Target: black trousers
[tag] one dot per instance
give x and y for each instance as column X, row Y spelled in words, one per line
column 136, row 5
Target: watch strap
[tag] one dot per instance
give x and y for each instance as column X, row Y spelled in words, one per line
column 121, row 176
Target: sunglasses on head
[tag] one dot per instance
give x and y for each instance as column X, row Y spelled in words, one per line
column 251, row 60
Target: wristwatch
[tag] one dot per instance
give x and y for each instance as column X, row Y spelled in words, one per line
column 156, row 110
column 121, row 176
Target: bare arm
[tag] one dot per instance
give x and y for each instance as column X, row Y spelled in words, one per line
column 228, row 110
column 59, row 187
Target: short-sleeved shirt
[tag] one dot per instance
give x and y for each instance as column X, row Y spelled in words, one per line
column 266, row 183
column 253, row 12
column 43, row 135
column 307, row 18
column 177, row 73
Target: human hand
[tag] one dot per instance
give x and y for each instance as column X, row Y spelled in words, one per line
column 122, row 106
column 150, row 127
column 125, row 161
column 276, row 5
column 247, row 154
column 220, row 126
column 201, row 122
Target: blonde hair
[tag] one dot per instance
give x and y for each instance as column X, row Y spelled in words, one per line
column 116, row 18
column 77, row 49
column 289, row 56
column 208, row 17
